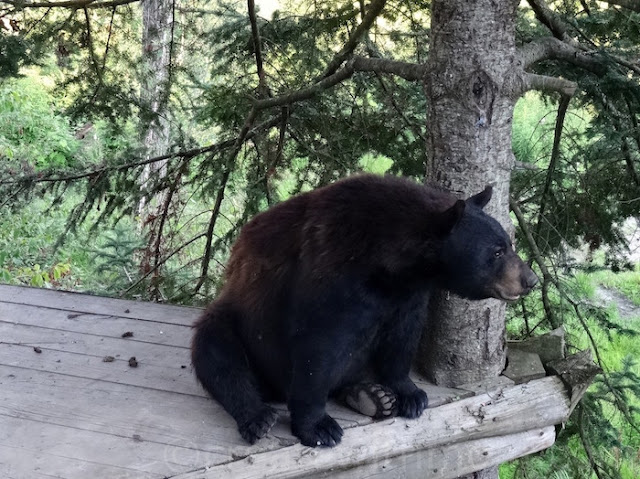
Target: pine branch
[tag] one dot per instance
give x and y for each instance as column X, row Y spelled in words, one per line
column 257, row 46
column 549, row 19
column 408, row 71
column 547, row 278
column 628, row 4
column 375, row 8
column 537, row 257
column 555, row 153
column 559, row 30
column 73, row 4
column 186, row 154
column 228, row 168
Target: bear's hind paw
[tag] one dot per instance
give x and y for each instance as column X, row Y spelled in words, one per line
column 373, row 400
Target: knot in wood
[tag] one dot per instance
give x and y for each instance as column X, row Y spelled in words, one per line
column 483, row 92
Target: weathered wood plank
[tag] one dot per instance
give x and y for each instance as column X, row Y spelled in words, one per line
column 85, row 303
column 533, row 405
column 523, row 366
column 97, row 449
column 577, row 372
column 438, row 395
column 155, row 416
column 452, row 461
column 23, row 463
column 162, row 355
column 549, row 346
column 489, row 385
column 98, row 325
column 163, row 378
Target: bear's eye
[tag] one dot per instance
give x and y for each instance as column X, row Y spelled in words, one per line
column 498, row 253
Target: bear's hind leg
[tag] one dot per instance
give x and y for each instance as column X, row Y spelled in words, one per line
column 221, row 365
column 395, row 353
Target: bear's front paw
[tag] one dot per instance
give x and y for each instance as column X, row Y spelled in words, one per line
column 412, row 404
column 259, row 425
column 325, row 432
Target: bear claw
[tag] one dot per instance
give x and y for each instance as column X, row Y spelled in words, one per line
column 413, row 404
column 325, row 432
column 258, row 426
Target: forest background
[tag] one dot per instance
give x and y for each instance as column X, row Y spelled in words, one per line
column 137, row 138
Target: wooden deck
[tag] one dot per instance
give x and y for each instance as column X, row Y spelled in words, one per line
column 65, row 412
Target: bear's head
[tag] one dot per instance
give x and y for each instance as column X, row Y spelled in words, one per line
column 478, row 259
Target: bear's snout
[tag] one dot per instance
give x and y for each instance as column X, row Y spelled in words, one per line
column 517, row 280
column 529, row 278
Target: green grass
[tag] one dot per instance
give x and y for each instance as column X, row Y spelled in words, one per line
column 626, row 283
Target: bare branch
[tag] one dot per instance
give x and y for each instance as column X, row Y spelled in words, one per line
column 552, row 22
column 257, row 46
column 549, row 84
column 74, row 4
column 406, row 70
column 628, row 4
column 546, row 48
column 92, row 51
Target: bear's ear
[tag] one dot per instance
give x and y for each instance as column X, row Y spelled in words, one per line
column 451, row 217
column 481, row 199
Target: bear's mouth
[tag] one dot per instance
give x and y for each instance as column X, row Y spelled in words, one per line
column 509, row 298
column 499, row 293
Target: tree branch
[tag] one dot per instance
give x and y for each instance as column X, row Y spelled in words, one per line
column 546, row 48
column 549, row 84
column 548, row 18
column 408, row 71
column 228, row 168
column 375, row 8
column 188, row 154
column 547, row 278
column 74, row 4
column 559, row 29
column 555, row 153
column 628, row 4
column 257, row 46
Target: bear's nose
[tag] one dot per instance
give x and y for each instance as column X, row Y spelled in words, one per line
column 530, row 279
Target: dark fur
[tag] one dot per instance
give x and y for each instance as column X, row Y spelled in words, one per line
column 335, row 282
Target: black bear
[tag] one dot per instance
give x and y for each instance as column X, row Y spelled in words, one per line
column 330, row 287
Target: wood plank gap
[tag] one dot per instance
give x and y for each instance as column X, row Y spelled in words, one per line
column 129, row 340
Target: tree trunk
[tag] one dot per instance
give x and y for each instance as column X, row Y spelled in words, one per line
column 157, row 24
column 470, row 108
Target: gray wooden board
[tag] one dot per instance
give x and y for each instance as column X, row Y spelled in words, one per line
column 78, row 302
column 99, row 325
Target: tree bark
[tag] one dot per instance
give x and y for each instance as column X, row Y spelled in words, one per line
column 470, row 97
column 157, row 24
